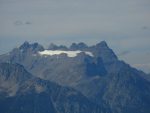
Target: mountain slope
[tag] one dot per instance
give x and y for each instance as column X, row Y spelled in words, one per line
column 102, row 78
column 35, row 95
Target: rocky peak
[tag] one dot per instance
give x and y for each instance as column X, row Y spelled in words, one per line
column 52, row 46
column 102, row 50
column 33, row 47
column 25, row 45
column 55, row 47
column 78, row 46
column 102, row 44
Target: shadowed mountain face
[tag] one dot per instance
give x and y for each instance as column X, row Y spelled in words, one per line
column 33, row 95
column 101, row 77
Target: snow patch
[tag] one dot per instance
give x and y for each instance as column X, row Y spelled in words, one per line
column 69, row 53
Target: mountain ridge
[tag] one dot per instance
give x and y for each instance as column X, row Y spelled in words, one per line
column 102, row 78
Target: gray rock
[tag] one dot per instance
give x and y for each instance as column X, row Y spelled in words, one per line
column 105, row 80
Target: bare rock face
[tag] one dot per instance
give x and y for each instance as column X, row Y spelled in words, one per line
column 40, row 96
column 104, row 80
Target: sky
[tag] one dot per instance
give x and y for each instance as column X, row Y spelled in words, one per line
column 123, row 24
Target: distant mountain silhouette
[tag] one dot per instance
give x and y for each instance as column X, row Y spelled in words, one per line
column 113, row 85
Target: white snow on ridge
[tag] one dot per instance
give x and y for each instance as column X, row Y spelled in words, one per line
column 69, row 53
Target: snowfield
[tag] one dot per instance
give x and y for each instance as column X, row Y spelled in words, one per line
column 69, row 53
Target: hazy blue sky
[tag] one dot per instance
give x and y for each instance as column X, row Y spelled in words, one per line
column 124, row 24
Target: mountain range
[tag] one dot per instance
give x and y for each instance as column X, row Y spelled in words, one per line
column 75, row 79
